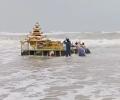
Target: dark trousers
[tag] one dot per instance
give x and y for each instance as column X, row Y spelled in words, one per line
column 67, row 53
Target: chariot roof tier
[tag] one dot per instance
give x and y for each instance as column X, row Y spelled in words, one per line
column 36, row 30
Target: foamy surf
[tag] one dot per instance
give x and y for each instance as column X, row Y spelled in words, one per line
column 94, row 77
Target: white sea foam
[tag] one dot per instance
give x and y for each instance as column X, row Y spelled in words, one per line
column 19, row 96
column 100, row 42
column 116, row 75
column 25, row 83
column 70, row 96
column 97, row 91
column 4, row 91
column 36, row 90
column 13, row 33
column 94, row 43
column 20, row 74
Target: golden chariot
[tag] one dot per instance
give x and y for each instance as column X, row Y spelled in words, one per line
column 36, row 43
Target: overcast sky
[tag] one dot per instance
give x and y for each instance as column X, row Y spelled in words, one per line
column 60, row 15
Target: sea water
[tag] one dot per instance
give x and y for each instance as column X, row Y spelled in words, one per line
column 94, row 77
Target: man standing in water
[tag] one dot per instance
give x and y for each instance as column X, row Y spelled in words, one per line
column 67, row 47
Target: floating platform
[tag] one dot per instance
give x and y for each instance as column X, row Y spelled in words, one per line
column 46, row 52
column 42, row 53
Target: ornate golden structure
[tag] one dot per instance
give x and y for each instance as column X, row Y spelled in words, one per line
column 38, row 42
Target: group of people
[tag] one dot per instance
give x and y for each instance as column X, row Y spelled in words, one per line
column 81, row 49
